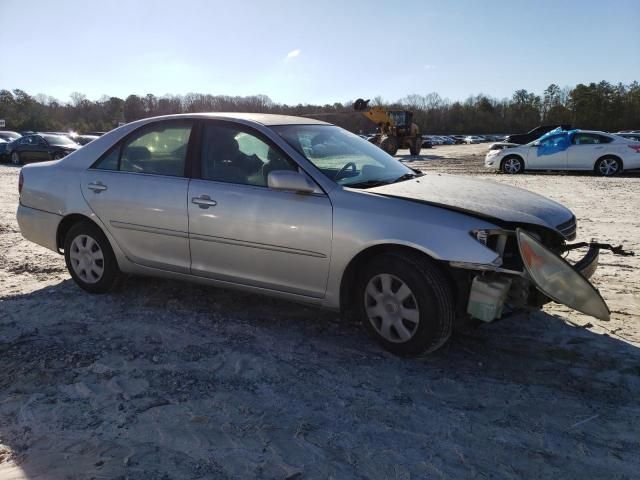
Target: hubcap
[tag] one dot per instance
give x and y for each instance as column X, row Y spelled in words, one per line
column 512, row 165
column 86, row 258
column 392, row 308
column 608, row 166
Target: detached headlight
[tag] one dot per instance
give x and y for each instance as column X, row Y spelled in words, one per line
column 558, row 280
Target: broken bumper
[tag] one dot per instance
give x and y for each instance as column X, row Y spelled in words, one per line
column 588, row 264
column 557, row 279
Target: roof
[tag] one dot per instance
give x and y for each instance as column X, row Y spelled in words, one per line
column 266, row 119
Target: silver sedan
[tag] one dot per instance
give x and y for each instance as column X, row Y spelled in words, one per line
column 304, row 210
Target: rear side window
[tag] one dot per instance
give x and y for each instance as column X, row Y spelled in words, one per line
column 589, row 139
column 159, row 149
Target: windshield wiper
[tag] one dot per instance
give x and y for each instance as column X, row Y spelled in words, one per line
column 407, row 176
column 368, row 184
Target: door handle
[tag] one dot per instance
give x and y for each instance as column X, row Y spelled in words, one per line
column 97, row 187
column 204, row 201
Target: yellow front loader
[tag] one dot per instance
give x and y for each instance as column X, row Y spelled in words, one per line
column 395, row 128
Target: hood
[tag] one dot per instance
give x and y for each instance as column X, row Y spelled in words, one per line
column 483, row 198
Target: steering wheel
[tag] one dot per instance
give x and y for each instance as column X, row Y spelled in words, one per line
column 343, row 170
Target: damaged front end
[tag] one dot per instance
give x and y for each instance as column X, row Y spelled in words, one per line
column 530, row 272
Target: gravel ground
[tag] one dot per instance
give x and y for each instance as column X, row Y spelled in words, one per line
column 170, row 380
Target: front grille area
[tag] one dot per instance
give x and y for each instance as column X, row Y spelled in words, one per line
column 568, row 229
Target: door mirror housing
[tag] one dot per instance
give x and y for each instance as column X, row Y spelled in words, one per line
column 288, row 180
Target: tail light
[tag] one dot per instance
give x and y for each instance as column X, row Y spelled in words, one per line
column 20, row 182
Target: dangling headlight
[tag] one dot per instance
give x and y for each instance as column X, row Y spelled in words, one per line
column 558, row 280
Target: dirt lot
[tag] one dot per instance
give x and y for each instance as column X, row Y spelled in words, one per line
column 168, row 380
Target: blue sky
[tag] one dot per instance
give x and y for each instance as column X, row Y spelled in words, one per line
column 307, row 51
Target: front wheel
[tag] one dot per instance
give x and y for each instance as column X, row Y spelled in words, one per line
column 389, row 145
column 90, row 259
column 415, row 148
column 406, row 303
column 512, row 165
column 608, row 166
column 15, row 158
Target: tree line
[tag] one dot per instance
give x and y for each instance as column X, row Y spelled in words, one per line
column 598, row 106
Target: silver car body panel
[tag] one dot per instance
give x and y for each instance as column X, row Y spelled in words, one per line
column 146, row 214
column 261, row 237
column 481, row 197
column 285, row 244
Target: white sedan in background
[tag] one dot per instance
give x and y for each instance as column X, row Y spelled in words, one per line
column 472, row 139
column 603, row 153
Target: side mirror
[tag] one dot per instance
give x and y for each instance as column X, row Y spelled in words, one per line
column 290, row 181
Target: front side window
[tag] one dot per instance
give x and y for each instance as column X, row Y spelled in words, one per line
column 159, row 149
column 555, row 141
column 235, row 155
column 343, row 156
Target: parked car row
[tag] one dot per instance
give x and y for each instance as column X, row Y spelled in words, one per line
column 459, row 139
column 26, row 147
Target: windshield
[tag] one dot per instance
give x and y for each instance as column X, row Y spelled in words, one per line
column 343, row 156
column 59, row 140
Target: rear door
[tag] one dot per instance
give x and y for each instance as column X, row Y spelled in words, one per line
column 243, row 232
column 28, row 148
column 139, row 191
column 585, row 149
column 549, row 153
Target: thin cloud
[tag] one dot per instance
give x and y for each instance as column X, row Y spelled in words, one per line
column 293, row 53
column 429, row 67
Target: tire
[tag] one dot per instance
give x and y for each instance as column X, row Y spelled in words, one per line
column 389, row 145
column 415, row 148
column 410, row 324
column 512, row 165
column 15, row 158
column 608, row 166
column 81, row 246
column 58, row 156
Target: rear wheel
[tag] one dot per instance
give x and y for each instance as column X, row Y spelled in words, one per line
column 512, row 165
column 608, row 166
column 389, row 145
column 15, row 158
column 406, row 303
column 90, row 259
column 58, row 155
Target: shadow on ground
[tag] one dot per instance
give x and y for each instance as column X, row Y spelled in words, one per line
column 172, row 380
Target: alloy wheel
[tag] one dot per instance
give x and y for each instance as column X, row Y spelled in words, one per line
column 87, row 259
column 392, row 308
column 608, row 166
column 512, row 165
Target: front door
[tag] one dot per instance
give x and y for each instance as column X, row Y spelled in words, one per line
column 243, row 232
column 139, row 191
column 549, row 153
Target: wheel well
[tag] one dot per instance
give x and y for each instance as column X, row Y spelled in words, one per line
column 610, row 156
column 350, row 275
column 66, row 223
